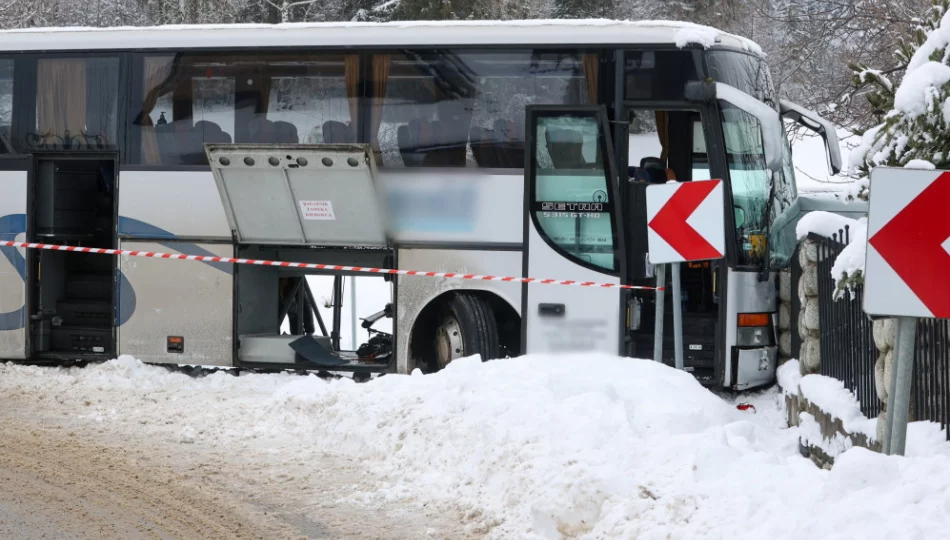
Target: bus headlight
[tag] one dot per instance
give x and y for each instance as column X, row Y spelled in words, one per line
column 754, row 330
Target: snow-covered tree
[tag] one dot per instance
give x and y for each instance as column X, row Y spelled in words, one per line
column 915, row 113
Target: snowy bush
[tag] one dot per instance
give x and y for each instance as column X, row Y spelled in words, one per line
column 916, row 112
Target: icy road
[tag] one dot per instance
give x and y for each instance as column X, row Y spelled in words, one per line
column 538, row 447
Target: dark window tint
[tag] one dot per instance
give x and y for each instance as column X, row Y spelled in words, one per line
column 743, row 71
column 76, row 104
column 189, row 100
column 6, row 106
column 658, row 75
column 448, row 108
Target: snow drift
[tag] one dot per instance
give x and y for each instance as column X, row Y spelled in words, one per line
column 535, row 447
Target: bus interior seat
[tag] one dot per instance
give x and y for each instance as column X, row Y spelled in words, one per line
column 509, row 138
column 181, row 142
column 261, row 130
column 565, row 146
column 482, row 147
column 655, row 169
column 285, row 133
column 336, row 132
column 414, row 139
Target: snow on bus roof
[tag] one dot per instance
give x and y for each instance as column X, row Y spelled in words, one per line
column 366, row 34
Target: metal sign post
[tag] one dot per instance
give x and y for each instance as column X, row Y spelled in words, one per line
column 660, row 305
column 677, row 317
column 901, row 380
column 353, row 325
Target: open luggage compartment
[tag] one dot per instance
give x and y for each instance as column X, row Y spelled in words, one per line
column 313, row 204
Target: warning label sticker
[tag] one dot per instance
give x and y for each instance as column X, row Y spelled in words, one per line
column 317, row 210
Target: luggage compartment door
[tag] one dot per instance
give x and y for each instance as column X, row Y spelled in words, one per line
column 314, row 195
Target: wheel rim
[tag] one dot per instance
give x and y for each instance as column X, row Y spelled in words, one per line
column 448, row 342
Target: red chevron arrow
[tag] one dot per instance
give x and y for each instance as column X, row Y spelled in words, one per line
column 670, row 222
column 911, row 244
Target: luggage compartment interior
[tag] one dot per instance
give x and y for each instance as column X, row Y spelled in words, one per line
column 278, row 310
column 72, row 312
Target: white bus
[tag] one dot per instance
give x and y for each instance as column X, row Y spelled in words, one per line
column 512, row 148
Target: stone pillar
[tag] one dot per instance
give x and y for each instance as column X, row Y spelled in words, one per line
column 784, row 316
column 808, row 320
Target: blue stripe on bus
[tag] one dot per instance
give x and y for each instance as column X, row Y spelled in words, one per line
column 15, row 224
column 10, row 227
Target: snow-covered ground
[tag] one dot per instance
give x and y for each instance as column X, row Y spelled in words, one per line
column 534, row 447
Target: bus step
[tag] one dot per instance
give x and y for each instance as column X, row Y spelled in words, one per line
column 85, row 313
column 81, row 340
column 89, row 287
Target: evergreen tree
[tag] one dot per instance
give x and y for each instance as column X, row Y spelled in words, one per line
column 914, row 115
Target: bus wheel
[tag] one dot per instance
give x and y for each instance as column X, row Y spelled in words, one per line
column 467, row 326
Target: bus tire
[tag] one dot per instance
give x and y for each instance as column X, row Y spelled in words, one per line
column 466, row 326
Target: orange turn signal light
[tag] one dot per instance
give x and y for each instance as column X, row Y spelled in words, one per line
column 753, row 319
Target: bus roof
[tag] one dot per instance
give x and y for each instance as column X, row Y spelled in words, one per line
column 363, row 34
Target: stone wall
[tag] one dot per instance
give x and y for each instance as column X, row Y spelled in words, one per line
column 830, row 428
column 884, row 330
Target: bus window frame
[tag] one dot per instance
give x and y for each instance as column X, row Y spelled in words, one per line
column 599, row 113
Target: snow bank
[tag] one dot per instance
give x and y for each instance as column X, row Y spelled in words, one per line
column 825, row 224
column 534, row 447
column 789, row 375
column 833, row 398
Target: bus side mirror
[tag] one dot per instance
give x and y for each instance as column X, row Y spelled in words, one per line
column 812, row 121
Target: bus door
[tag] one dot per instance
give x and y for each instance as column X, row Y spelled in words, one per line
column 571, row 232
column 14, row 180
column 668, row 145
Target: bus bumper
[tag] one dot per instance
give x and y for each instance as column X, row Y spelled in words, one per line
column 753, row 367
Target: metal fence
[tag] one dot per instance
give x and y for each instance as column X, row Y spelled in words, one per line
column 931, row 398
column 848, row 352
column 847, row 345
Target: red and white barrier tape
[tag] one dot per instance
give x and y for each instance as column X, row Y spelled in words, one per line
column 332, row 267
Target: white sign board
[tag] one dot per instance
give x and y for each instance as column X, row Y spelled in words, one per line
column 685, row 221
column 907, row 265
column 317, row 210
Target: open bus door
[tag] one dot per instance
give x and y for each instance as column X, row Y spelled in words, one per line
column 572, row 232
column 14, row 175
column 299, row 203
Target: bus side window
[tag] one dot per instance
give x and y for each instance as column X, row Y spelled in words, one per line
column 6, row 106
column 286, row 98
column 571, row 200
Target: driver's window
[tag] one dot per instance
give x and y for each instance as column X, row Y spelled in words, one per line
column 666, row 146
